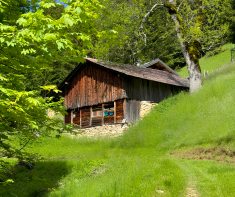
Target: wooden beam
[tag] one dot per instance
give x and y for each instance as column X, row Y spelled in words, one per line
column 124, row 109
column 90, row 116
column 102, row 114
column 71, row 113
column 80, row 110
column 64, row 119
column 115, row 113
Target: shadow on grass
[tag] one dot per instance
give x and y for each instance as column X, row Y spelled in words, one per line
column 44, row 178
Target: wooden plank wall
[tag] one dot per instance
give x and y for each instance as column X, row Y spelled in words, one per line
column 93, row 85
column 76, row 120
column 132, row 111
column 68, row 118
column 85, row 116
column 109, row 119
column 119, row 111
column 145, row 90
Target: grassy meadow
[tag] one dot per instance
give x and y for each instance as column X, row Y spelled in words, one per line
column 184, row 146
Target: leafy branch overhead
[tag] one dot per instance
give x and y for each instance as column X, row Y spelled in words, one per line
column 31, row 41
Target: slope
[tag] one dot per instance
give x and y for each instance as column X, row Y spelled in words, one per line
column 184, row 147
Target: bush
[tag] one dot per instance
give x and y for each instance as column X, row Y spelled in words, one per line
column 216, row 51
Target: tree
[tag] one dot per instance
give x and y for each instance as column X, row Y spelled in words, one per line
column 161, row 40
column 198, row 24
column 29, row 43
column 230, row 16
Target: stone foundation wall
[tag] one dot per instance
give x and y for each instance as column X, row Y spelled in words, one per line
column 117, row 129
column 105, row 130
column 145, row 107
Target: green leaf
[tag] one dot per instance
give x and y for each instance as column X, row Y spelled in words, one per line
column 68, row 8
column 60, row 45
column 50, row 87
column 22, row 21
column 2, row 39
column 47, row 5
column 78, row 10
column 50, row 37
column 67, row 20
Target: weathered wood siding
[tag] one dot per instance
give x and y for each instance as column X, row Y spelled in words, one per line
column 119, row 111
column 85, row 117
column 76, row 120
column 93, row 85
column 145, row 90
column 132, row 111
column 87, row 120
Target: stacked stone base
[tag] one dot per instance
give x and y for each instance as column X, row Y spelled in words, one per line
column 105, row 130
column 117, row 129
column 145, row 107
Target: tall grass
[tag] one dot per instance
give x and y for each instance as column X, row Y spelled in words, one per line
column 207, row 116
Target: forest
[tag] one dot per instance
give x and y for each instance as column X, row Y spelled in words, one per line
column 41, row 42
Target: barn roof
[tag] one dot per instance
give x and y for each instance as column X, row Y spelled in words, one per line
column 139, row 72
column 157, row 61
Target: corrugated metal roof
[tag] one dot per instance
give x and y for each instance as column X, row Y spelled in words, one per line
column 139, row 72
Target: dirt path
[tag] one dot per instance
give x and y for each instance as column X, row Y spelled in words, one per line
column 191, row 190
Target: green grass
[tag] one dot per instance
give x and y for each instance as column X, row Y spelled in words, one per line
column 212, row 63
column 139, row 163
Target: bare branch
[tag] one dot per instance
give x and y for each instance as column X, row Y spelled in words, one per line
column 147, row 14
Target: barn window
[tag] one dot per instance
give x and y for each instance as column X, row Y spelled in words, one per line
column 96, row 115
column 109, row 109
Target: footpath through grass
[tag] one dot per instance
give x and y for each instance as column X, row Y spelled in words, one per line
column 142, row 161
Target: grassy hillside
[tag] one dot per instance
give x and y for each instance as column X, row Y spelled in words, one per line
column 185, row 146
column 212, row 63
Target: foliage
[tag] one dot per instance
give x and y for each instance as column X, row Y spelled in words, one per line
column 230, row 17
column 216, row 51
column 54, row 11
column 161, row 39
column 139, row 41
column 30, row 42
column 127, row 43
column 202, row 21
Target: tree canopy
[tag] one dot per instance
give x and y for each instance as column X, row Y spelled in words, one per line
column 30, row 42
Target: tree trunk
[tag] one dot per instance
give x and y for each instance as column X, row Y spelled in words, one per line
column 190, row 50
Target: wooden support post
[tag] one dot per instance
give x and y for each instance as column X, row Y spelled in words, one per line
column 71, row 116
column 64, row 119
column 102, row 114
column 124, row 109
column 115, row 113
column 80, row 118
column 90, row 116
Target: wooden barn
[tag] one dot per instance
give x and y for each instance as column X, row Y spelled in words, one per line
column 99, row 93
